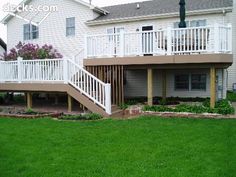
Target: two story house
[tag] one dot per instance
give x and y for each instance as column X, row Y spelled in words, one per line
column 136, row 48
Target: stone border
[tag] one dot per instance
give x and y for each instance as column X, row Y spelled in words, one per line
column 189, row 115
column 21, row 116
column 136, row 110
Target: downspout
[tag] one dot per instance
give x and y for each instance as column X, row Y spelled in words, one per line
column 223, row 17
column 227, row 79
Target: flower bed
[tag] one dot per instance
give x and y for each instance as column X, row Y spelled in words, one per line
column 25, row 114
column 222, row 107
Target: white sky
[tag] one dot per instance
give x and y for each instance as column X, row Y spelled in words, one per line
column 100, row 3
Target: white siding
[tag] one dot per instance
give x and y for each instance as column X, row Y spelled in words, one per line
column 158, row 23
column 53, row 29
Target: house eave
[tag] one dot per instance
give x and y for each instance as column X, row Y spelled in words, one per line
column 158, row 16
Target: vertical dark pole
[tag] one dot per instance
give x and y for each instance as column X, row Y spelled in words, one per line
column 182, row 14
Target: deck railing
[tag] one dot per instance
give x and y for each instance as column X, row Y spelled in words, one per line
column 60, row 71
column 179, row 41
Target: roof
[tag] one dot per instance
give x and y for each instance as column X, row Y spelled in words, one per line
column 92, row 7
column 3, row 44
column 159, row 7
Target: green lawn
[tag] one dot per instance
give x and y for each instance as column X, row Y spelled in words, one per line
column 144, row 147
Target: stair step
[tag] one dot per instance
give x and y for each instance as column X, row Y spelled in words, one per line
column 117, row 113
column 114, row 108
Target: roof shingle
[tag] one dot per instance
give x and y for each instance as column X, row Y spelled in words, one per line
column 156, row 7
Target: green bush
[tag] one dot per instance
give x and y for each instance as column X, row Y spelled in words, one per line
column 91, row 116
column 123, row 106
column 231, row 96
column 222, row 107
column 191, row 108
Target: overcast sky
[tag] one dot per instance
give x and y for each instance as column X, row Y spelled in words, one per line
column 95, row 2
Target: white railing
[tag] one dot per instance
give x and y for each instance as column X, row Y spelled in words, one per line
column 8, row 71
column 89, row 85
column 194, row 40
column 41, row 70
column 57, row 70
column 103, row 45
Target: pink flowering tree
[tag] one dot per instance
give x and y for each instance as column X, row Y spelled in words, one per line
column 32, row 51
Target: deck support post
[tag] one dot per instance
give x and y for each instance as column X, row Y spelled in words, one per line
column 150, row 86
column 213, row 86
column 29, row 100
column 164, row 85
column 69, row 99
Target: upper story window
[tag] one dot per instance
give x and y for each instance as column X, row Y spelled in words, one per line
column 70, row 26
column 192, row 23
column 30, row 32
column 114, row 30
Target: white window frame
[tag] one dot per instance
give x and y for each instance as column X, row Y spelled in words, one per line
column 30, row 32
column 70, row 27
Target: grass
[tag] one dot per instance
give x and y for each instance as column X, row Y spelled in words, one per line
column 145, row 147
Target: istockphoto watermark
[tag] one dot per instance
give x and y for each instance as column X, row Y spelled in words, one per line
column 11, row 8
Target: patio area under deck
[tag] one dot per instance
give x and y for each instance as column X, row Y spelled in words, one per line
column 113, row 72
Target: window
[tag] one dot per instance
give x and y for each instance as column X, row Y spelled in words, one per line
column 30, row 32
column 70, row 26
column 198, row 82
column 176, row 24
column 182, row 82
column 193, row 23
column 197, row 23
column 115, row 30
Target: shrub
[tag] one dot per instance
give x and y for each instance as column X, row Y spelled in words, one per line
column 231, row 96
column 224, row 107
column 123, row 106
column 32, row 51
column 192, row 108
column 91, row 116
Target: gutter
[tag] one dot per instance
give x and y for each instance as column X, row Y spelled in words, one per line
column 157, row 16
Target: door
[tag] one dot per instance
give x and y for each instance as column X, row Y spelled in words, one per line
column 114, row 40
column 147, row 40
